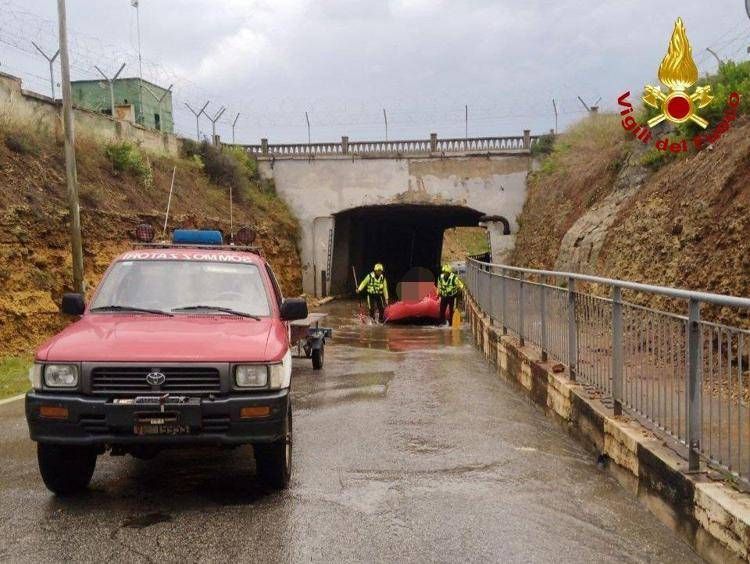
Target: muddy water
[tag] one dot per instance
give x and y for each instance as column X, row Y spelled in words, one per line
column 407, row 448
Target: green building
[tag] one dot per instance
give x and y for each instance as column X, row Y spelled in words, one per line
column 94, row 95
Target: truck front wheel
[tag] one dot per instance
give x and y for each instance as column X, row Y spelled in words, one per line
column 274, row 460
column 65, row 470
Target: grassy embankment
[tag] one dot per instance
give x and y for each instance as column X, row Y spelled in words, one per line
column 14, row 376
column 686, row 225
column 120, row 186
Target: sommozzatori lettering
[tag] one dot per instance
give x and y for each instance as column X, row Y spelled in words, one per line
column 171, row 255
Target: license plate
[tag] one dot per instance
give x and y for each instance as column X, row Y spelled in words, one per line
column 160, row 429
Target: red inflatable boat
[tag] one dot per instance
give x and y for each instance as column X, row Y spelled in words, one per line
column 426, row 310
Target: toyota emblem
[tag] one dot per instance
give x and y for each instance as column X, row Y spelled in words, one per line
column 155, row 378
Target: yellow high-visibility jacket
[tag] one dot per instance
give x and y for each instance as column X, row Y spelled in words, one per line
column 376, row 285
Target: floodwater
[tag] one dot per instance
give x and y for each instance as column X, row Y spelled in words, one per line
column 407, row 447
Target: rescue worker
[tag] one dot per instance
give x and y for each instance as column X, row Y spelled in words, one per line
column 448, row 287
column 377, row 291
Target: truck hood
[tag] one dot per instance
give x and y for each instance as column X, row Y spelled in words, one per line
column 182, row 338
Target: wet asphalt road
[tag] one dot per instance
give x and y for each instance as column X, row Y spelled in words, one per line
column 407, row 447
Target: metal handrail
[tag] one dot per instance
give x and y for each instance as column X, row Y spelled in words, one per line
column 707, row 297
column 684, row 375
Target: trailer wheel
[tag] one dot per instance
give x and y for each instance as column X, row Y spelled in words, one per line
column 317, row 357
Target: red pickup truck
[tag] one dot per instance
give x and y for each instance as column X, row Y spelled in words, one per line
column 182, row 344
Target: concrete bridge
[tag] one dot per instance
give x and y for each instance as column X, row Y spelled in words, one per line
column 390, row 201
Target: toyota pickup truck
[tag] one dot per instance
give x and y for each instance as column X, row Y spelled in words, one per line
column 182, row 344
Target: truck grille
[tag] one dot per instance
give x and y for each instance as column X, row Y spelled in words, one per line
column 131, row 380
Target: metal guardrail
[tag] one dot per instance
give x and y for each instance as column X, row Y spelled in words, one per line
column 504, row 144
column 685, row 376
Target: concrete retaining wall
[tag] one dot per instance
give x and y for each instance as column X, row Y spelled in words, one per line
column 712, row 516
column 23, row 106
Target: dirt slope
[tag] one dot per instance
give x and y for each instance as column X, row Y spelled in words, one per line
column 34, row 251
column 686, row 224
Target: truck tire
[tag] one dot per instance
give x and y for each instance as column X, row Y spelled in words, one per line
column 66, row 470
column 317, row 358
column 274, row 460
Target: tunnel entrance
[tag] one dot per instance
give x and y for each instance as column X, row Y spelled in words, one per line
column 401, row 236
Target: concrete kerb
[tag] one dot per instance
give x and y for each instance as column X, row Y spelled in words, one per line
column 712, row 516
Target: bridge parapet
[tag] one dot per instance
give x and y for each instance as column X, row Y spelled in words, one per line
column 513, row 144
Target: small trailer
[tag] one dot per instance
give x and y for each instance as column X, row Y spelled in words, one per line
column 310, row 338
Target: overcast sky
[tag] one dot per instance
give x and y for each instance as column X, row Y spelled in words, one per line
column 344, row 61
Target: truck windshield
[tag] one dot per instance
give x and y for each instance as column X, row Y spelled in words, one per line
column 168, row 285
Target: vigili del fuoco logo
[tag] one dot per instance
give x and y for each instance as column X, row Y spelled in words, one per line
column 679, row 105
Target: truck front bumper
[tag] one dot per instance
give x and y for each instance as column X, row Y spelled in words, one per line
column 210, row 421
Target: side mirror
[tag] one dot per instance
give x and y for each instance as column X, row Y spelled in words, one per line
column 293, row 308
column 73, row 304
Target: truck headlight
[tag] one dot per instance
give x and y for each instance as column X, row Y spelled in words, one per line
column 251, row 375
column 281, row 374
column 60, row 375
column 35, row 375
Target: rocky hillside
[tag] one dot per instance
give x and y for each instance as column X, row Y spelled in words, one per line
column 120, row 187
column 604, row 204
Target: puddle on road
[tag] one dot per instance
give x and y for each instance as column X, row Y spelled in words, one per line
column 350, row 330
column 361, row 386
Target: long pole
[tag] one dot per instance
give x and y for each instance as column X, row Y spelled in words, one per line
column 466, row 121
column 70, row 154
column 169, row 202
column 307, row 119
column 137, row 5
column 385, row 119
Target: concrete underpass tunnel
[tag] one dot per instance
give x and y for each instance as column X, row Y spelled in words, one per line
column 401, row 236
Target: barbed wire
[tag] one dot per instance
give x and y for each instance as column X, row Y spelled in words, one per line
column 19, row 27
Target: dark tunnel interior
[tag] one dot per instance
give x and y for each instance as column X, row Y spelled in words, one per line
column 400, row 236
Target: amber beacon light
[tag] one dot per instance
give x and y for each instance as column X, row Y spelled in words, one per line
column 678, row 73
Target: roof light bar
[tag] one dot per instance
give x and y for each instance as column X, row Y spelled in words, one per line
column 197, row 237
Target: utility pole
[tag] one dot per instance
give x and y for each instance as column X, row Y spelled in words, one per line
column 111, row 82
column 466, row 121
column 159, row 100
column 554, row 107
column 197, row 118
column 385, row 119
column 233, row 124
column 213, row 121
column 136, row 5
column 70, row 153
column 51, row 61
column 307, row 119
